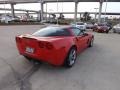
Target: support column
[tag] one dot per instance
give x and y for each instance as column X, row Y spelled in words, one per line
column 12, row 10
column 27, row 14
column 75, row 15
column 46, row 12
column 100, row 11
column 95, row 16
column 49, row 17
column 38, row 15
column 80, row 16
column 42, row 10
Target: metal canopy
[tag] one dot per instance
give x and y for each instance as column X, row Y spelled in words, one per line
column 36, row 1
column 12, row 2
column 81, row 0
column 18, row 1
column 7, row 9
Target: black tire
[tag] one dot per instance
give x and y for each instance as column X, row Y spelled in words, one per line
column 114, row 31
column 93, row 30
column 71, row 58
column 107, row 31
column 91, row 42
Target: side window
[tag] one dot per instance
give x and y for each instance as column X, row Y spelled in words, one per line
column 76, row 31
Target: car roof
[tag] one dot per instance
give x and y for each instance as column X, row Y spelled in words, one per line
column 60, row 26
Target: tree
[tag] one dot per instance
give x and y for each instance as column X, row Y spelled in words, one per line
column 86, row 16
column 53, row 16
column 61, row 16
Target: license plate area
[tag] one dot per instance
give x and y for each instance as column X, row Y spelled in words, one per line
column 29, row 50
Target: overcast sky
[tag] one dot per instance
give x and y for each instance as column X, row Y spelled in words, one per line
column 69, row 7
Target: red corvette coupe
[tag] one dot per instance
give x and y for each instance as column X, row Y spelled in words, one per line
column 55, row 45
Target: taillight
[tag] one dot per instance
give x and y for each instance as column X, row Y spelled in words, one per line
column 45, row 45
column 18, row 40
column 41, row 44
column 49, row 46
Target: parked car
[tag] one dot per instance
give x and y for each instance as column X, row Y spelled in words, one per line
column 102, row 28
column 44, row 21
column 15, row 19
column 95, row 27
column 7, row 19
column 52, row 21
column 89, row 26
column 80, row 25
column 109, row 25
column 116, row 28
column 54, row 44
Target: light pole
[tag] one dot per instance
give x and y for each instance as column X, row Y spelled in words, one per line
column 96, row 13
column 41, row 11
column 50, row 10
column 100, row 10
column 5, row 8
column 105, row 10
column 46, row 12
column 62, row 6
column 57, row 11
column 76, row 7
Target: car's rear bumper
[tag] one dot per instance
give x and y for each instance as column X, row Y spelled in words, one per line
column 101, row 30
column 54, row 57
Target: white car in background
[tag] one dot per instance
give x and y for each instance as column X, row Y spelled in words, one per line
column 116, row 28
column 6, row 19
column 80, row 25
column 89, row 25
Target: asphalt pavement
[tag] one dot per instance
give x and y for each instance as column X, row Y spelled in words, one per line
column 97, row 68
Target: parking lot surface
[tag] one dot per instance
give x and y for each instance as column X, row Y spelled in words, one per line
column 97, row 68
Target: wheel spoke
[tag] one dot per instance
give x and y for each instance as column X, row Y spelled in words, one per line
column 72, row 57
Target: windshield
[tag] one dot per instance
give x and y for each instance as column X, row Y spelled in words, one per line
column 52, row 31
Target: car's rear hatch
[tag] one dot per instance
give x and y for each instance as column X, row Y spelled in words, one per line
column 36, row 47
column 30, row 44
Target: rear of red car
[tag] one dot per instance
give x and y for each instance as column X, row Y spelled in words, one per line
column 54, row 45
column 45, row 49
column 102, row 28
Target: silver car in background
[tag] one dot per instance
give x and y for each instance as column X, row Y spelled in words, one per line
column 89, row 25
column 80, row 25
column 116, row 28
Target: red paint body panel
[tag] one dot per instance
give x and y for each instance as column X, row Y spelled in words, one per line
column 53, row 50
column 102, row 30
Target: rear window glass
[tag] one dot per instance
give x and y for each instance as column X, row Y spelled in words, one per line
column 89, row 23
column 80, row 23
column 101, row 24
column 52, row 31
